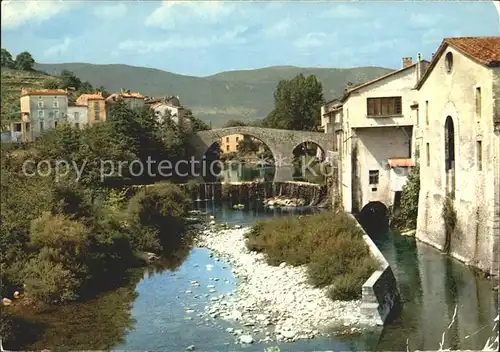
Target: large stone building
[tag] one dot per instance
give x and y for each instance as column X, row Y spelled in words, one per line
column 373, row 124
column 41, row 109
column 459, row 97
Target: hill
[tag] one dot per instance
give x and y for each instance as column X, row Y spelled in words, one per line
column 12, row 82
column 234, row 95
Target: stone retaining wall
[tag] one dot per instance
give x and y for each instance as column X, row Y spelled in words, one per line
column 380, row 295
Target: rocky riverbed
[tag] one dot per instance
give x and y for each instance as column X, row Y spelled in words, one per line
column 281, row 201
column 273, row 303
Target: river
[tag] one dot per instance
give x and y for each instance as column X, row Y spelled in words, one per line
column 158, row 309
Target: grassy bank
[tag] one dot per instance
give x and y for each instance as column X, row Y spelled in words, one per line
column 330, row 245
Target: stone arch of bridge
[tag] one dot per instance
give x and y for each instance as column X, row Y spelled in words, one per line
column 280, row 142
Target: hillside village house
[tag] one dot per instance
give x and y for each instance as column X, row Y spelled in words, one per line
column 41, row 109
column 330, row 116
column 77, row 115
column 96, row 107
column 373, row 123
column 229, row 144
column 133, row 100
column 460, row 128
column 174, row 108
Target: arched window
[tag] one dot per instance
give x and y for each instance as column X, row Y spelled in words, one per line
column 449, row 144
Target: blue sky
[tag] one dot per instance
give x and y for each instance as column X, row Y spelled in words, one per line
column 201, row 38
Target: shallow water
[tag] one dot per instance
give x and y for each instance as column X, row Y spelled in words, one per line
column 431, row 285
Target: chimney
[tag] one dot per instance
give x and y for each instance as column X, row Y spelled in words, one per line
column 432, row 57
column 407, row 61
column 418, row 67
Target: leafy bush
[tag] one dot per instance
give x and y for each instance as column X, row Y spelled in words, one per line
column 406, row 219
column 345, row 287
column 49, row 281
column 330, row 244
column 56, row 231
column 157, row 212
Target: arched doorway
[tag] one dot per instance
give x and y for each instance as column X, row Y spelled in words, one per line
column 449, row 150
column 374, row 217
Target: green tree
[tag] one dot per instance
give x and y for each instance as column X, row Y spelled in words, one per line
column 234, row 123
column 52, row 83
column 297, row 104
column 157, row 212
column 86, row 88
column 247, row 145
column 406, row 219
column 69, row 80
column 24, row 61
column 6, row 59
column 198, row 125
column 104, row 92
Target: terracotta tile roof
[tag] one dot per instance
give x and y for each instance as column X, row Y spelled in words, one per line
column 124, row 95
column 132, row 95
column 401, row 162
column 84, row 98
column 485, row 50
column 94, row 96
column 25, row 92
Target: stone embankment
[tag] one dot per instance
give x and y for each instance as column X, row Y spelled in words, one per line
column 274, row 303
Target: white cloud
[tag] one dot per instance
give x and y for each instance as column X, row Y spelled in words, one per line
column 343, row 11
column 278, row 29
column 58, row 49
column 421, row 20
column 113, row 11
column 184, row 42
column 314, row 40
column 17, row 12
column 173, row 13
column 378, row 46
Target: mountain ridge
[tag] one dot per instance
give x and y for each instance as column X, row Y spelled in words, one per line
column 231, row 95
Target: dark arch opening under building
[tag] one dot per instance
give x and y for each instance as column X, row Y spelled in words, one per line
column 374, row 217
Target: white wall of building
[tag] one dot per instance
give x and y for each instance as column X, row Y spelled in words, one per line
column 377, row 139
column 77, row 116
column 453, row 94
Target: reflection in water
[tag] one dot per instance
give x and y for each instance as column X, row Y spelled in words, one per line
column 150, row 311
column 432, row 285
column 92, row 325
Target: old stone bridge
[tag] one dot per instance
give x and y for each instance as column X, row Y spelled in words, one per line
column 280, row 142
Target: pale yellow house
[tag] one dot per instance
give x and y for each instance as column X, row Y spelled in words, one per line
column 229, row 144
column 96, row 107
